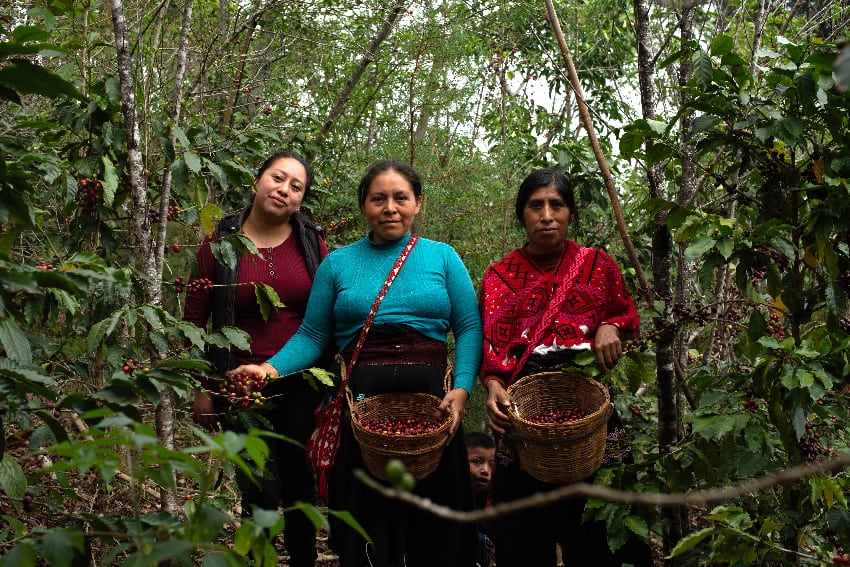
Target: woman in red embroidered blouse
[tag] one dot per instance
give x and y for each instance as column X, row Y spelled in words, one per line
column 541, row 305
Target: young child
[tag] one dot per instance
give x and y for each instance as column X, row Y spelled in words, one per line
column 481, row 454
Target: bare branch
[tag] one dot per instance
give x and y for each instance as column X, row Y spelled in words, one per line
column 697, row 498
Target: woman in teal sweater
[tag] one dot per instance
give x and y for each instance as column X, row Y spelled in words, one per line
column 405, row 351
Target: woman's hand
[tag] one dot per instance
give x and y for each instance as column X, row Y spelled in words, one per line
column 255, row 370
column 453, row 403
column 203, row 411
column 609, row 348
column 497, row 406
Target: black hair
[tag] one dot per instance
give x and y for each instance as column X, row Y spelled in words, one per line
column 382, row 166
column 543, row 178
column 479, row 439
column 280, row 155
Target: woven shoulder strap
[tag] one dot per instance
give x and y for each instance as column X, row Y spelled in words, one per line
column 536, row 334
column 402, row 257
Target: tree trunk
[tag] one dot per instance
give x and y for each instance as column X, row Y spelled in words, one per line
column 368, row 57
column 604, row 170
column 142, row 233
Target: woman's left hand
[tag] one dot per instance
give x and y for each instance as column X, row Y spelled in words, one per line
column 453, row 404
column 609, row 348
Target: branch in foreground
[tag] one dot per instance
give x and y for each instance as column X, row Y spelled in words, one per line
column 696, row 498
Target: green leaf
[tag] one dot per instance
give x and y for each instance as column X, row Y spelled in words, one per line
column 630, row 143
column 22, row 555
column 320, row 374
column 26, row 77
column 314, row 514
column 217, row 173
column 179, row 175
column 162, row 551
column 721, row 45
column 191, row 364
column 257, row 449
column 726, row 246
column 699, row 247
column 713, row 427
column 23, row 34
column 12, row 477
column 267, row 299
column 638, row 526
column 225, row 253
column 349, row 520
column 181, row 137
column 237, row 337
column 704, row 123
column 14, row 341
column 193, row 161
column 703, row 69
column 60, row 547
column 110, row 182
column 210, row 213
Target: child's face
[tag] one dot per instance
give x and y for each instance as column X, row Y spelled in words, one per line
column 481, row 463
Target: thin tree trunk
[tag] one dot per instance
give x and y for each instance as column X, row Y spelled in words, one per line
column 236, row 84
column 152, row 284
column 368, row 57
column 597, row 151
column 176, row 110
column 662, row 265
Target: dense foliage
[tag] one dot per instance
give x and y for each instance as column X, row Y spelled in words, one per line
column 750, row 136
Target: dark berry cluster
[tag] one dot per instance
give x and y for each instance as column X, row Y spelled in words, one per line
column 844, row 280
column 401, row 426
column 341, row 223
column 775, row 328
column 557, row 416
column 811, row 449
column 618, row 447
column 27, row 500
column 44, row 265
column 179, row 284
column 131, row 366
column 89, row 194
column 843, row 559
column 244, row 390
column 757, row 275
column 172, row 214
column 750, row 403
column 685, row 314
column 639, row 344
column 844, row 324
column 200, row 284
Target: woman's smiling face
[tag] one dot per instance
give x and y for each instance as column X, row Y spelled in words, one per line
column 390, row 206
column 546, row 217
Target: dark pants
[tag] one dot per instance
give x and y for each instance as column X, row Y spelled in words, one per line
column 287, row 477
column 528, row 537
column 402, row 535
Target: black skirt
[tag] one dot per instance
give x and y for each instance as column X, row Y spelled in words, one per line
column 401, row 535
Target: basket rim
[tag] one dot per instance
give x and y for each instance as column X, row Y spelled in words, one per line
column 602, row 413
column 356, row 417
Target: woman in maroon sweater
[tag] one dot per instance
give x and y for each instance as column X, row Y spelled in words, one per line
column 291, row 248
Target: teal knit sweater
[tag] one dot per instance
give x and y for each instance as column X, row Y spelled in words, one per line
column 433, row 294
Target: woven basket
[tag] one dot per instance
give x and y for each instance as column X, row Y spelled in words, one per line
column 553, row 452
column 420, row 453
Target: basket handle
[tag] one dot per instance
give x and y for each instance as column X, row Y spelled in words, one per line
column 447, row 378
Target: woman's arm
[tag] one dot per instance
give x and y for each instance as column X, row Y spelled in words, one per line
column 465, row 323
